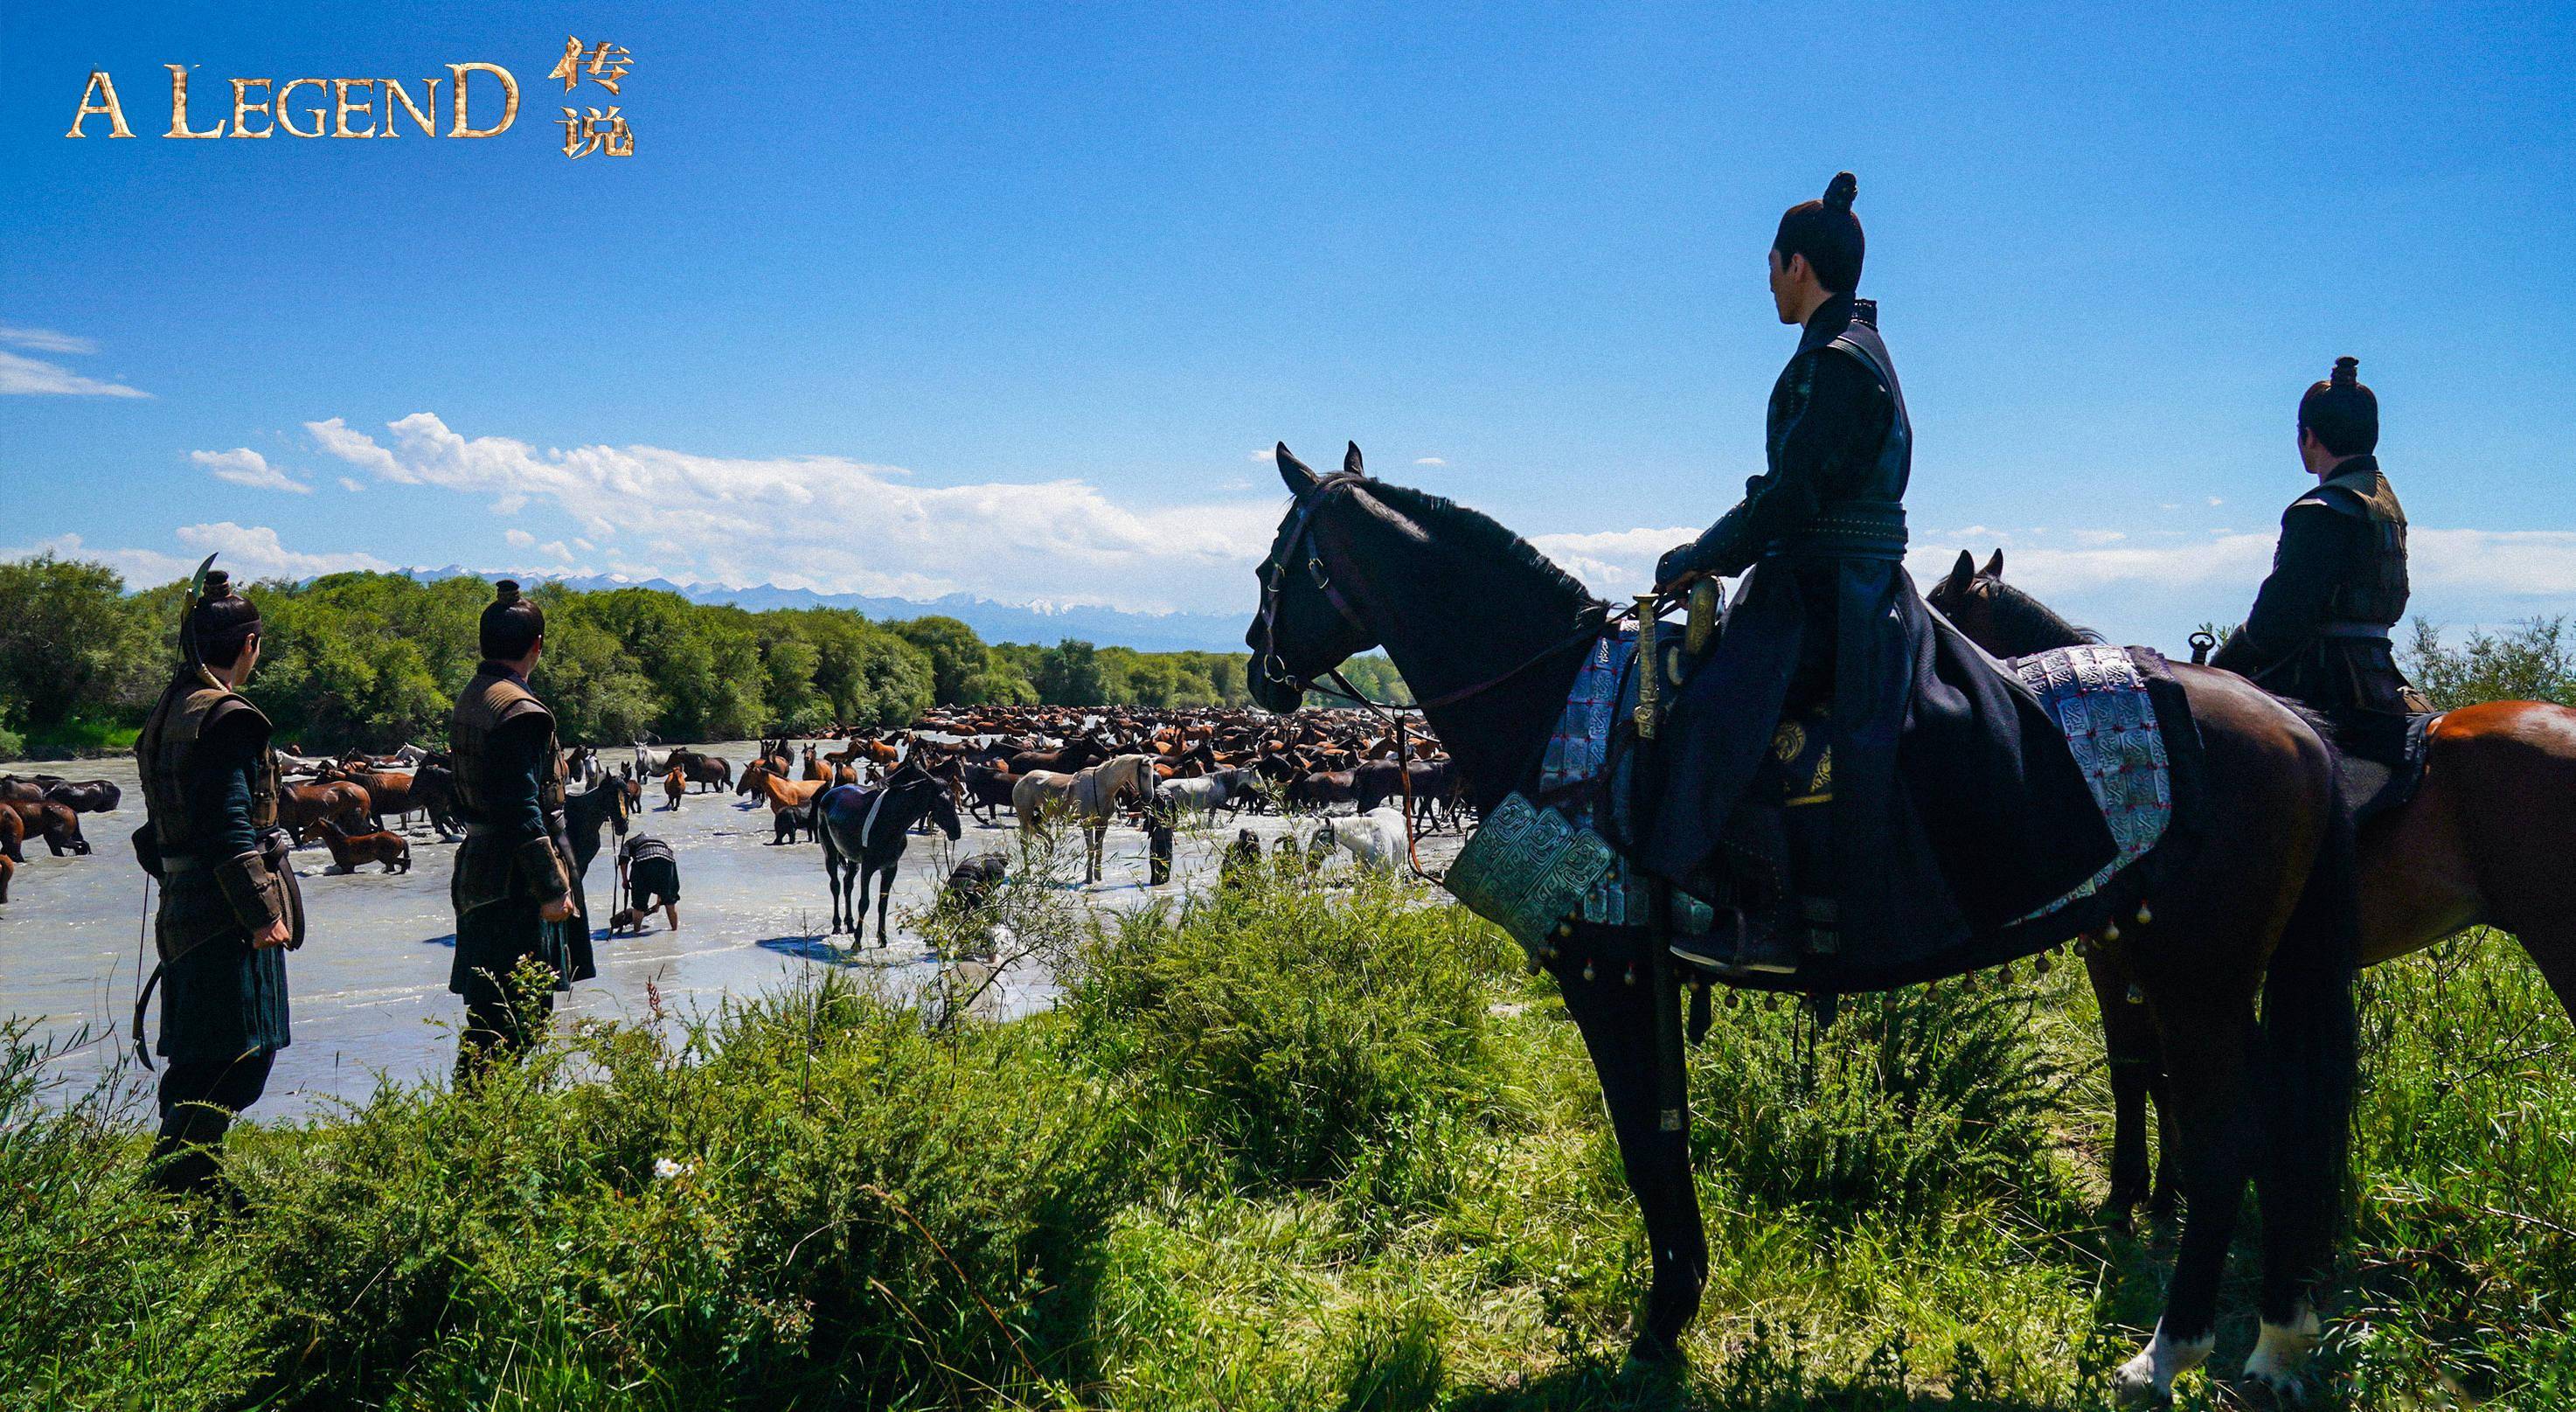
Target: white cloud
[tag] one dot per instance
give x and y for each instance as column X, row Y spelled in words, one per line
column 2216, row 500
column 352, row 484
column 1270, row 454
column 1429, row 461
column 34, row 377
column 45, row 340
column 1613, row 563
column 838, row 525
column 2491, row 568
column 250, row 551
column 243, row 466
column 518, row 538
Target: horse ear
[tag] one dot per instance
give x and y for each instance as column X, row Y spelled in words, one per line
column 1351, row 461
column 1995, row 566
column 1963, row 575
column 1300, row 480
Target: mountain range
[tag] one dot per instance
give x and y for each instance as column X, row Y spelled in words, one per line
column 1042, row 623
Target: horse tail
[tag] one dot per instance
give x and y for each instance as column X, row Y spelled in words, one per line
column 2311, row 1055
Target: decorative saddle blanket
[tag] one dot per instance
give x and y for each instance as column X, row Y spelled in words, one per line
column 2099, row 698
column 2103, row 698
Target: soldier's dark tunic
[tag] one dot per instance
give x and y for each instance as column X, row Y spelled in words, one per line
column 2319, row 632
column 1957, row 806
column 209, row 786
column 509, row 786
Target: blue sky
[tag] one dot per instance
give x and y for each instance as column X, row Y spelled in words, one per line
column 1008, row 300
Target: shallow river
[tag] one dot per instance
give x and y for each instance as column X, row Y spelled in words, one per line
column 369, row 988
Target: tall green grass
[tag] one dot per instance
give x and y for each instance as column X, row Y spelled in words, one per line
column 1296, row 1146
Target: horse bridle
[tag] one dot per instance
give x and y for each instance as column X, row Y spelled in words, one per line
column 1274, row 668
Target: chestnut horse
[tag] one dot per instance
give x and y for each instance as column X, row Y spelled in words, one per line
column 1490, row 634
column 2483, row 842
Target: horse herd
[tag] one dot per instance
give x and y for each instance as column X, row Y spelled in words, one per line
column 860, row 793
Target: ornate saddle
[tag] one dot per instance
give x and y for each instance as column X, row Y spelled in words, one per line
column 1551, row 867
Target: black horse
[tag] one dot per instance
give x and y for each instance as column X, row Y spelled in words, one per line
column 863, row 832
column 1489, row 634
column 603, row 803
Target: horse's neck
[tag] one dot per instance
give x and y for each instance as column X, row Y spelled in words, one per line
column 1495, row 732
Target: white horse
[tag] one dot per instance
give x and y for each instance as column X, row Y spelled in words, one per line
column 1091, row 794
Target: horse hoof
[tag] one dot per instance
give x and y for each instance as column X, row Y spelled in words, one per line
column 2147, row 1379
column 2280, row 1351
column 1650, row 1351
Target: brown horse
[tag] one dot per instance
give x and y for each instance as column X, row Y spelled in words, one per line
column 1490, row 635
column 301, row 808
column 2483, row 842
column 775, row 787
column 59, row 826
column 352, row 851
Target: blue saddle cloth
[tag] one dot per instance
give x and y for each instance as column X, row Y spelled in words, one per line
column 2121, row 712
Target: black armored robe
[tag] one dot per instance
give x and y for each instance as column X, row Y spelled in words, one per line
column 1957, row 807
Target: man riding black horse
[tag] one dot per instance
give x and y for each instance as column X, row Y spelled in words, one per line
column 2318, row 633
column 1835, row 707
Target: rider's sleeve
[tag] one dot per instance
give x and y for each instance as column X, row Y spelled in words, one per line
column 2292, row 604
column 1839, row 413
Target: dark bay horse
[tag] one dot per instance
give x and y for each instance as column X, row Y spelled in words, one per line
column 604, row 803
column 863, row 833
column 1489, row 634
column 2485, row 841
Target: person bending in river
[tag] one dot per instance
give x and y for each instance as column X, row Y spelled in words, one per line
column 229, row 906
column 520, row 930
column 652, row 876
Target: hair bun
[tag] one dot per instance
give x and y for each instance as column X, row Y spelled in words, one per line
column 1841, row 191
column 506, row 591
column 2347, row 372
column 219, row 584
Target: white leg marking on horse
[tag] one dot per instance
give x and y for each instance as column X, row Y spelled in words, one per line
column 2283, row 1349
column 2150, row 1375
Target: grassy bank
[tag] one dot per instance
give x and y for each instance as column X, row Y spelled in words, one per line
column 1283, row 1150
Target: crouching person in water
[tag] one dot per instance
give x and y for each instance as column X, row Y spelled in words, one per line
column 229, row 906
column 652, row 876
column 518, row 904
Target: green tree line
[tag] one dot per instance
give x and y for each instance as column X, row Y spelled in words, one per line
column 371, row 661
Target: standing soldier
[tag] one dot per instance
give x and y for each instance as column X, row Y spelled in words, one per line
column 229, row 906
column 2319, row 630
column 517, row 901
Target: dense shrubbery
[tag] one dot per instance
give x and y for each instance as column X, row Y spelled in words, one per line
column 1284, row 1149
column 374, row 660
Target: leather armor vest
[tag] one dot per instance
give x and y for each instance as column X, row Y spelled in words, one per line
column 2371, row 587
column 187, row 712
column 491, row 700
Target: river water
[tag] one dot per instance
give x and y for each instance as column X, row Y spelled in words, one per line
column 369, row 988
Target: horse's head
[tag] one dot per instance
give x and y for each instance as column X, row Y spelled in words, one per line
column 1971, row 598
column 1997, row 616
column 1305, row 627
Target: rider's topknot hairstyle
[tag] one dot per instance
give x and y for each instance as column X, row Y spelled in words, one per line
column 2340, row 412
column 511, row 624
column 1828, row 234
column 222, row 621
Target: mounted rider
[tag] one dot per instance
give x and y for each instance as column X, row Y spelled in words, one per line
column 2319, row 631
column 229, row 906
column 518, row 902
column 1835, row 706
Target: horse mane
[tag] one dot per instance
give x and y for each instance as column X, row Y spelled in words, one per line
column 2025, row 620
column 1480, row 533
